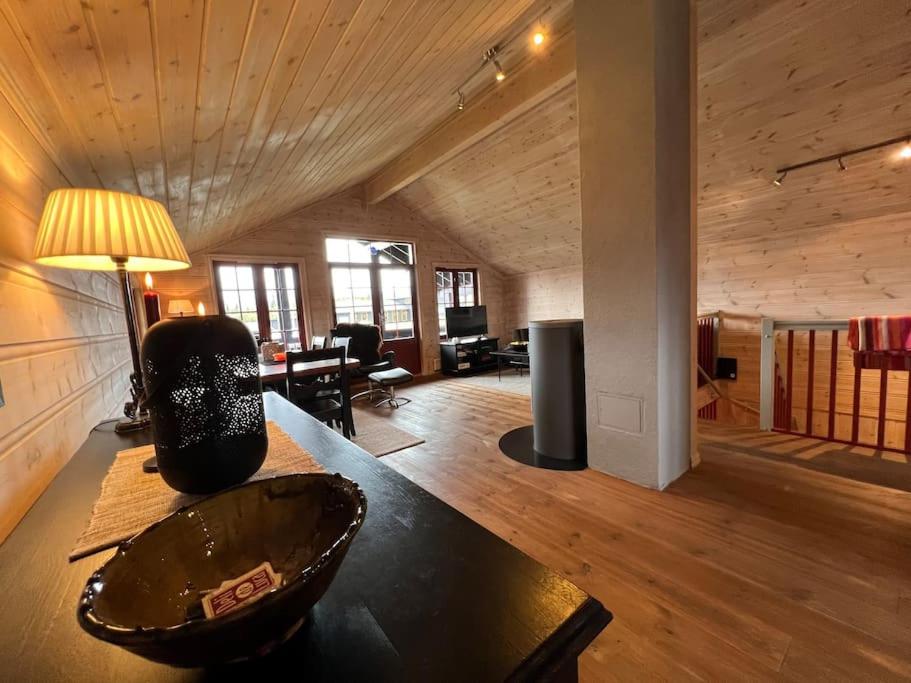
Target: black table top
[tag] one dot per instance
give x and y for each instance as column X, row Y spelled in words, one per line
column 510, row 353
column 424, row 593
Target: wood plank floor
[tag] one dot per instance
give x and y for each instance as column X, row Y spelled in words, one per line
column 746, row 568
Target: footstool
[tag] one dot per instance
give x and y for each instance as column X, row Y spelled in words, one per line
column 384, row 384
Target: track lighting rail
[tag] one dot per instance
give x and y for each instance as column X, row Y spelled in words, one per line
column 841, row 155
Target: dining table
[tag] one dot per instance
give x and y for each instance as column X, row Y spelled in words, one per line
column 272, row 373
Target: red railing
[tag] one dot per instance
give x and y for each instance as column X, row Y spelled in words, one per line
column 783, row 392
column 706, row 354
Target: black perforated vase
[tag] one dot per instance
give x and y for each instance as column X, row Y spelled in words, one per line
column 204, row 396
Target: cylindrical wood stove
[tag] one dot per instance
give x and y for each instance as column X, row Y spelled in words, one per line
column 557, row 439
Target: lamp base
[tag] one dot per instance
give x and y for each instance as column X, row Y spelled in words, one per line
column 133, row 424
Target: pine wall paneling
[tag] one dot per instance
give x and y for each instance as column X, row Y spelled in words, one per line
column 542, row 295
column 64, row 359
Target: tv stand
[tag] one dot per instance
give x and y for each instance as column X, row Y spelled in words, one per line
column 468, row 355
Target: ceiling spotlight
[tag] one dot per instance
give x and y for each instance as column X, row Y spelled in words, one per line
column 461, row 105
column 905, row 152
column 537, row 38
column 841, row 165
column 500, row 73
column 780, row 179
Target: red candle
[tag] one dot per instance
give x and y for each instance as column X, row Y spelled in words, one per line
column 153, row 306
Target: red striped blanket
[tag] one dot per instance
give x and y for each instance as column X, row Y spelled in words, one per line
column 880, row 333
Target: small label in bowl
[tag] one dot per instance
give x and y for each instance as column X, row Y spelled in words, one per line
column 241, row 591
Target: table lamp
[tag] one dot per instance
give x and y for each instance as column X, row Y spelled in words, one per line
column 91, row 229
column 180, row 307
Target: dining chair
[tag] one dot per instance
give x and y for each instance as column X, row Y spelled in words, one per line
column 338, row 342
column 317, row 343
column 327, row 397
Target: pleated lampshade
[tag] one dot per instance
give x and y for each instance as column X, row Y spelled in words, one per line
column 90, row 229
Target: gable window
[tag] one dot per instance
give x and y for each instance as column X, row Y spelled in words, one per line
column 264, row 297
column 455, row 287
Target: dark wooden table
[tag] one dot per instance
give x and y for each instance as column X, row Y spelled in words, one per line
column 519, row 357
column 424, row 593
column 270, row 373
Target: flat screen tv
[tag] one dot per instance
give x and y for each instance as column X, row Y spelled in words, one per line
column 466, row 321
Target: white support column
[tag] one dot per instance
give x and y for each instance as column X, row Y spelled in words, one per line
column 634, row 75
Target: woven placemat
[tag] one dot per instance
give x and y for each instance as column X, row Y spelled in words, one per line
column 131, row 499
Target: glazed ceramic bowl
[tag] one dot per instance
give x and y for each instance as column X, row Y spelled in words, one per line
column 148, row 597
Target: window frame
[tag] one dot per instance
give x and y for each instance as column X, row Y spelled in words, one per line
column 374, row 267
column 259, row 288
column 455, row 289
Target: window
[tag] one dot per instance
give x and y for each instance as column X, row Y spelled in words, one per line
column 455, row 288
column 264, row 297
column 373, row 282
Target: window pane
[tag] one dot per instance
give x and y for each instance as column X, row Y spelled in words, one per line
column 353, row 295
column 336, row 250
column 466, row 288
column 227, row 277
column 444, row 297
column 392, row 252
column 269, row 274
column 359, row 251
column 231, row 302
column 398, row 318
column 360, row 277
column 247, row 300
column 245, row 277
column 403, row 253
column 278, row 286
column 292, row 339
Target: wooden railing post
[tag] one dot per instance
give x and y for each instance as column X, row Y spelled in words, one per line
column 833, row 380
column 811, row 372
column 767, row 375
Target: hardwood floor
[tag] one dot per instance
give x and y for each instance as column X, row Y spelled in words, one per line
column 746, row 568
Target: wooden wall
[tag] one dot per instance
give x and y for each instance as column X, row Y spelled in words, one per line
column 63, row 354
column 302, row 235
column 542, row 295
column 779, row 84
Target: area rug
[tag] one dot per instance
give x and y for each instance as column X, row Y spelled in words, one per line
column 511, row 382
column 378, row 436
column 131, row 499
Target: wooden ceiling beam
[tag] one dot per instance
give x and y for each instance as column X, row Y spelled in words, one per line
column 536, row 81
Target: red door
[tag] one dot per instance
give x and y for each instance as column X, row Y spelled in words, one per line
column 397, row 316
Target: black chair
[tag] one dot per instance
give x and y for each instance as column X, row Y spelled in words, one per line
column 365, row 344
column 520, row 343
column 327, row 397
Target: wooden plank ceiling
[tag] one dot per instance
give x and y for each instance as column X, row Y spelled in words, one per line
column 779, row 83
column 513, row 197
column 782, row 83
column 234, row 112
